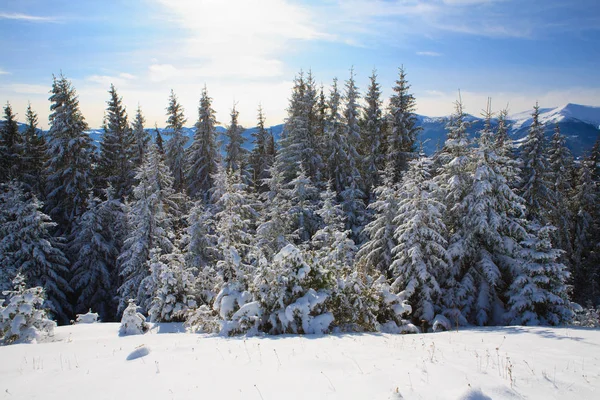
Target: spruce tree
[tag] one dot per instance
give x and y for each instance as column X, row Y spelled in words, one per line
column 235, row 153
column 150, row 220
column 336, row 145
column 302, row 195
column 403, row 132
column 11, row 147
column 536, row 188
column 175, row 147
column 115, row 166
column 34, row 154
column 375, row 255
column 141, row 139
column 70, row 157
column 372, row 129
column 260, row 159
column 539, row 293
column 203, row 156
column 560, row 162
column 26, row 246
column 421, row 258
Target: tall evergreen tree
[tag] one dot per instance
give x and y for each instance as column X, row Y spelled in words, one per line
column 235, row 153
column 141, row 139
column 11, row 147
column 302, row 194
column 34, row 154
column 26, row 246
column 96, row 243
column 560, row 162
column 175, row 147
column 537, row 189
column 375, row 255
column 336, row 146
column 372, row 129
column 421, row 258
column 115, row 166
column 150, row 226
column 403, row 132
column 260, row 159
column 203, row 156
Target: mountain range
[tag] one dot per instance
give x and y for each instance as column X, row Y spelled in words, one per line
column 579, row 123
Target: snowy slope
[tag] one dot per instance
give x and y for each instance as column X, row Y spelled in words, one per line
column 93, row 362
column 585, row 114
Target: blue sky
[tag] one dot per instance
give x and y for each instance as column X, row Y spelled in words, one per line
column 248, row 51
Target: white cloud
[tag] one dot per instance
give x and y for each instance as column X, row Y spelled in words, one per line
column 3, row 72
column 429, row 53
column 27, row 17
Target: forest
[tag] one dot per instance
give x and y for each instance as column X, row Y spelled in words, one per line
column 341, row 225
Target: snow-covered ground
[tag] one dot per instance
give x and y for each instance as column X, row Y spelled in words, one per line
column 93, row 362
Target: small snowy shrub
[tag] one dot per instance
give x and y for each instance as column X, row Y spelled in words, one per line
column 133, row 322
column 587, row 317
column 23, row 318
column 203, row 319
column 393, row 307
column 89, row 318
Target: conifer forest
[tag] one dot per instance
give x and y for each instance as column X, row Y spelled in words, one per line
column 341, row 224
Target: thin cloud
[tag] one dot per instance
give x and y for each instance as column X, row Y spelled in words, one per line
column 3, row 72
column 27, row 17
column 429, row 53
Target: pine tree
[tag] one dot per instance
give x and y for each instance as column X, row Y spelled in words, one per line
column 115, row 166
column 23, row 319
column 336, row 143
column 505, row 149
column 375, row 255
column 560, row 162
column 586, row 230
column 159, row 140
column 372, row 129
column 260, row 159
column 402, row 136
column 173, row 284
column 274, row 227
column 150, row 226
column 26, row 246
column 141, row 139
column 175, row 147
column 203, row 156
column 536, row 190
column 70, row 157
column 420, row 258
column 539, row 293
column 96, row 244
column 34, row 154
column 299, row 138
column 11, row 147
column 235, row 153
column 302, row 194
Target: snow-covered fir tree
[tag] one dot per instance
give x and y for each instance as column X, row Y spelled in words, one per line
column 115, row 166
column 11, row 147
column 70, row 157
column 260, row 158
column 560, row 162
column 372, row 134
column 539, row 293
column 375, row 255
column 505, row 149
column 175, row 147
column 150, row 220
column 172, row 286
column 203, row 156
column 302, row 195
column 336, row 145
column 299, row 137
column 24, row 319
column 34, row 154
column 235, row 153
column 133, row 322
column 141, row 139
column 536, row 188
column 403, row 130
column 96, row 243
column 586, row 230
column 26, row 246
column 274, row 227
column 421, row 259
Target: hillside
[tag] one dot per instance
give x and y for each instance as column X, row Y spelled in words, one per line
column 475, row 364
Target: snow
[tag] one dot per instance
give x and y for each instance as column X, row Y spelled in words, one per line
column 498, row 363
column 587, row 114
